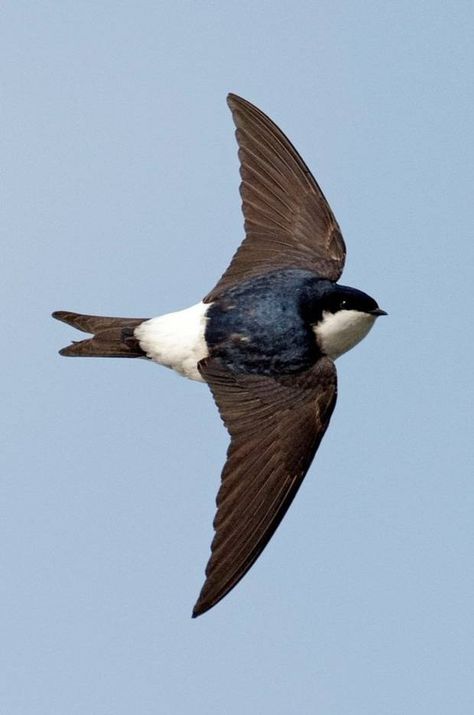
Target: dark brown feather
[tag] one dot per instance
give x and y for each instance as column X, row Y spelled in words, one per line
column 288, row 222
column 113, row 337
column 275, row 425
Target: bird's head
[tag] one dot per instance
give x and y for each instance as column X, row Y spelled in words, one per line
column 343, row 318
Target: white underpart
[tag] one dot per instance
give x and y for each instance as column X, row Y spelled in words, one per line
column 339, row 332
column 176, row 340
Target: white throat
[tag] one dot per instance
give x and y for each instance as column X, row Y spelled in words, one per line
column 338, row 332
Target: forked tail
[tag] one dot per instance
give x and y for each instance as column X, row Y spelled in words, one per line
column 111, row 337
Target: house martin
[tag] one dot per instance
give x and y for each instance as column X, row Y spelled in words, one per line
column 264, row 339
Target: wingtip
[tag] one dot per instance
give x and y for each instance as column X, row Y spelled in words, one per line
column 198, row 610
column 202, row 606
column 233, row 100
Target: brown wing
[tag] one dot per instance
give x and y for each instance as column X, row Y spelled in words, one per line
column 275, row 425
column 288, row 222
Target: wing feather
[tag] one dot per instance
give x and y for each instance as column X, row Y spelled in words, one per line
column 288, row 222
column 275, row 426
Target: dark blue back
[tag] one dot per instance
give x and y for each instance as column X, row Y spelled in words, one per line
column 264, row 324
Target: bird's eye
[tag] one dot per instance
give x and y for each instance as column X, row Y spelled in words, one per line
column 343, row 304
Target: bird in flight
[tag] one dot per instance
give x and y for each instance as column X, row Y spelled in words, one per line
column 264, row 339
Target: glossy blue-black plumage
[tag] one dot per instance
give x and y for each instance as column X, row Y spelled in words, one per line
column 263, row 325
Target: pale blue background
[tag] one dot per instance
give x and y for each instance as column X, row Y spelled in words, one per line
column 121, row 183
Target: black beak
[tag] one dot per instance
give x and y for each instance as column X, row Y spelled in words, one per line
column 377, row 312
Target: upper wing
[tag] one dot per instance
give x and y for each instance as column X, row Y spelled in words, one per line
column 288, row 222
column 275, row 425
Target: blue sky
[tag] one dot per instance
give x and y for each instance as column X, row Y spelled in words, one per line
column 121, row 185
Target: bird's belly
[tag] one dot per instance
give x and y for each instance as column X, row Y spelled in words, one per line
column 176, row 340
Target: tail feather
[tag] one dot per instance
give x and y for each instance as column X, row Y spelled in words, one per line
column 112, row 337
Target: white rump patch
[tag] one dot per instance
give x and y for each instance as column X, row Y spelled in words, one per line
column 176, row 340
column 339, row 332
